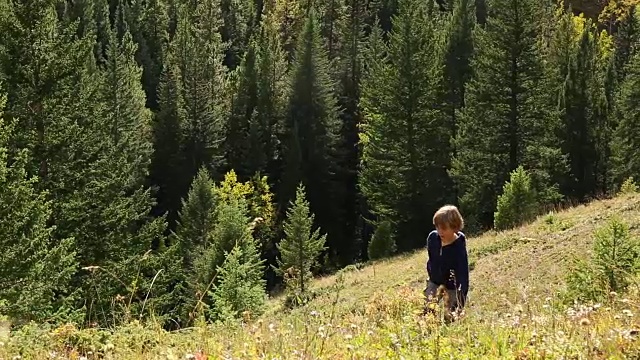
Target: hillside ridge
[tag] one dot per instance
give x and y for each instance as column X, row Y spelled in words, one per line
column 374, row 311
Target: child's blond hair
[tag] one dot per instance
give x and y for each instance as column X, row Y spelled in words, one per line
column 448, row 216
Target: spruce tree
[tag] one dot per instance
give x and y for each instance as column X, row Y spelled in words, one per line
column 457, row 58
column 231, row 228
column 197, row 216
column 583, row 113
column 239, row 23
column 404, row 138
column 349, row 73
column 382, row 243
column 194, row 232
column 54, row 93
column 626, row 41
column 200, row 53
column 517, row 203
column 311, row 130
column 239, row 131
column 505, row 122
column 35, row 268
column 241, row 285
column 125, row 233
column 626, row 137
column 167, row 165
column 271, row 100
column 302, row 245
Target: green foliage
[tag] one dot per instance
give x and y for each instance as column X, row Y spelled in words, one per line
column 517, row 203
column 505, row 123
column 200, row 53
column 404, row 140
column 168, row 161
column 241, row 288
column 625, row 139
column 310, row 131
column 35, row 268
column 382, row 243
column 629, row 186
column 300, row 248
column 612, row 267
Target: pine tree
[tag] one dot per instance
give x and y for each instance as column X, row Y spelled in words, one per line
column 151, row 36
column 241, row 287
column 271, row 100
column 35, row 267
column 350, row 69
column 517, row 203
column 239, row 23
column 311, row 130
column 583, row 114
column 505, row 123
column 231, row 228
column 625, row 140
column 53, row 92
column 625, row 41
column 194, row 232
column 124, row 232
column 239, row 131
column 167, row 166
column 200, row 53
column 382, row 242
column 457, row 58
column 300, row 248
column 404, row 139
column 197, row 216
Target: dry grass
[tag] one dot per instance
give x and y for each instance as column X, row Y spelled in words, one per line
column 374, row 312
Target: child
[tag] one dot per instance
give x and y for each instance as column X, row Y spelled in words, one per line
column 447, row 265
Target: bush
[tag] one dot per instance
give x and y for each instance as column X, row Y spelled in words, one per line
column 517, row 203
column 382, row 243
column 629, row 186
column 612, row 267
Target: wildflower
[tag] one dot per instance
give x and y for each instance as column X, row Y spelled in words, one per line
column 314, row 313
column 271, row 327
column 627, row 312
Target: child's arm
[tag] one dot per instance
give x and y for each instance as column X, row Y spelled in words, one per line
column 462, row 273
column 430, row 241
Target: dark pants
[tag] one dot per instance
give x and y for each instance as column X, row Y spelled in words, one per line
column 452, row 296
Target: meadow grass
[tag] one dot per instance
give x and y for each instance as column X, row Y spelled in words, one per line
column 375, row 312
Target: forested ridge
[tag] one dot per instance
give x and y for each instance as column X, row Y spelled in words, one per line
column 181, row 158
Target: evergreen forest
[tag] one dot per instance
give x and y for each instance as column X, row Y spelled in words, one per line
column 184, row 159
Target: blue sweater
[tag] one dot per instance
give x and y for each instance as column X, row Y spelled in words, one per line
column 452, row 258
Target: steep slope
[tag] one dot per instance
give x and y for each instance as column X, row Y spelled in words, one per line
column 530, row 261
column 374, row 312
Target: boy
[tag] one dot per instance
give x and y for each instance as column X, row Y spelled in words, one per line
column 448, row 264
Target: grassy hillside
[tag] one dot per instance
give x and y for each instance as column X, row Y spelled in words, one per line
column 373, row 312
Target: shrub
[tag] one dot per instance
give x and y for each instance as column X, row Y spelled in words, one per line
column 629, row 186
column 612, row 267
column 517, row 203
column 382, row 243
